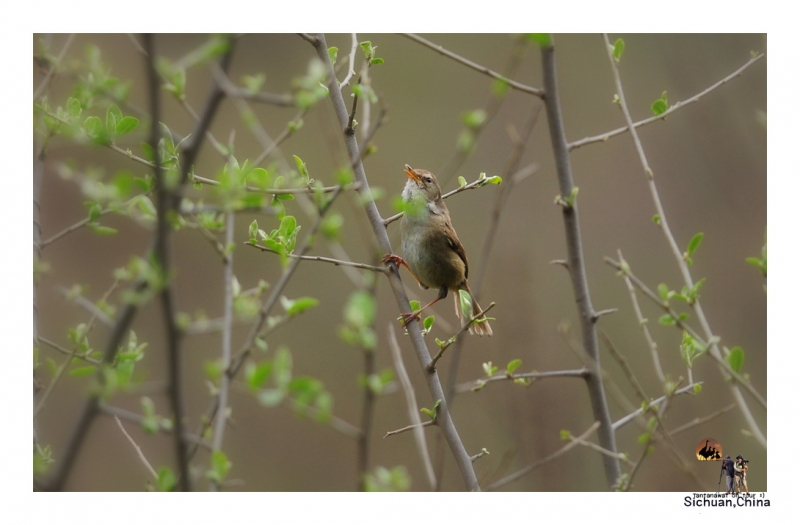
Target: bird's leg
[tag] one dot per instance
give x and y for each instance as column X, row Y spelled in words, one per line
column 408, row 317
column 400, row 262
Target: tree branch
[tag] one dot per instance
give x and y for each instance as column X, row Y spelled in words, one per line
column 539, row 92
column 678, row 105
column 576, row 266
column 555, row 455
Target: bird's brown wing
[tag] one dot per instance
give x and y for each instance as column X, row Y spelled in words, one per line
column 455, row 244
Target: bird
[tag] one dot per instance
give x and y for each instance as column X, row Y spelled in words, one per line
column 432, row 252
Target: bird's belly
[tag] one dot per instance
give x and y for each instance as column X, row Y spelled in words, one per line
column 434, row 266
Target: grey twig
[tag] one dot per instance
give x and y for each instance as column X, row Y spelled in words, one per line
column 337, row 262
column 539, row 92
column 413, row 409
column 576, row 266
column 555, row 455
column 643, row 325
column 138, row 449
column 224, row 382
column 700, row 420
column 351, row 58
column 429, row 423
column 689, row 389
column 480, row 383
column 674, row 107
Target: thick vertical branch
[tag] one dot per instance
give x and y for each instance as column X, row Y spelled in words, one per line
column 164, row 205
column 445, row 421
column 577, row 270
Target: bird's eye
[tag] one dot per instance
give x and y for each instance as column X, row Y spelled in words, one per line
column 428, row 180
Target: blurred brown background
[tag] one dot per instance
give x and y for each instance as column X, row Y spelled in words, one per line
column 710, row 165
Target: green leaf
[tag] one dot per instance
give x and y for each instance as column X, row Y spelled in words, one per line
column 94, row 211
column 253, row 231
column 375, row 61
column 513, row 365
column 256, row 374
column 462, row 182
column 474, row 119
column 126, row 125
column 415, row 305
column 697, row 388
column 428, row 322
column 253, row 83
column 271, row 397
column 282, row 366
column 499, row 88
column 663, row 292
column 287, row 227
column 83, row 371
column 301, row 167
column 736, row 359
column 219, row 466
column 331, row 226
column 101, row 230
column 541, row 39
column 333, row 51
column 74, row 107
column 113, row 115
column 694, row 243
column 300, row 305
column 667, row 320
column 166, row 479
column 94, row 127
column 367, row 48
column 466, row 303
column 360, row 309
column 619, row 48
column 660, row 105
column 755, row 261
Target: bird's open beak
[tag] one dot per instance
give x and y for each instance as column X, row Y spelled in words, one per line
column 410, row 174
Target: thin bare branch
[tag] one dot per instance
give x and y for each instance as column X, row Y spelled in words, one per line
column 480, row 383
column 413, row 409
column 539, row 92
column 555, row 455
column 643, row 325
column 700, row 420
column 138, row 449
column 336, row 262
column 674, row 107
column 689, row 389
column 429, row 423
column 351, row 60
